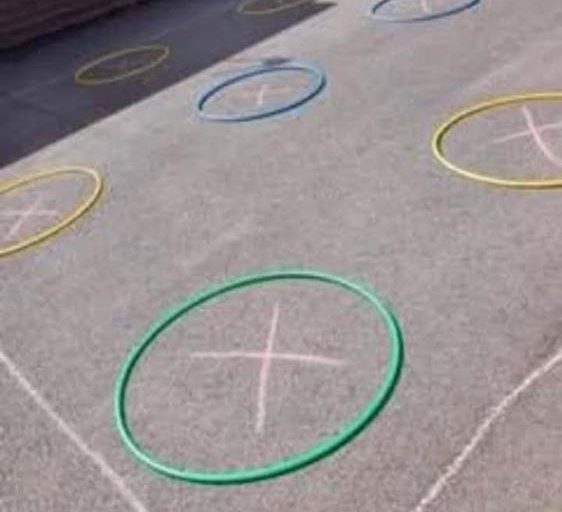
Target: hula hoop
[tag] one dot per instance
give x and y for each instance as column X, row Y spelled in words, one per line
column 44, row 235
column 244, row 7
column 445, row 128
column 89, row 82
column 324, row 448
column 422, row 17
column 315, row 87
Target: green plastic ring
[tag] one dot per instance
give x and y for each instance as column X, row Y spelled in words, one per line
column 322, row 449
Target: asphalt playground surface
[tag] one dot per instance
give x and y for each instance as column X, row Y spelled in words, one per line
column 346, row 184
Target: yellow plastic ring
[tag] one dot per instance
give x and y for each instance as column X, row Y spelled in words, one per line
column 445, row 128
column 245, row 7
column 80, row 79
column 8, row 186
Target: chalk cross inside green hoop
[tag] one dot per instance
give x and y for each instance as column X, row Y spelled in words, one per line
column 324, row 447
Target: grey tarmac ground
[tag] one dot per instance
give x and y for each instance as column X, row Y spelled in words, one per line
column 348, row 185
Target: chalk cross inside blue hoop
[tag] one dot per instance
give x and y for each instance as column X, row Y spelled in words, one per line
column 375, row 11
column 316, row 84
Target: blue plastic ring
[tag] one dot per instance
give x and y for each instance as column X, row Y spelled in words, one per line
column 317, row 83
column 424, row 17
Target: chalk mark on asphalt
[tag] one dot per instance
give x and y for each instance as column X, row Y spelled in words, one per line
column 536, row 133
column 264, row 91
column 425, row 6
column 105, row 469
column 483, row 429
column 32, row 211
column 266, row 357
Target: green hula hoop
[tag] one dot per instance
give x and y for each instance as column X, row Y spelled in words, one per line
column 323, row 448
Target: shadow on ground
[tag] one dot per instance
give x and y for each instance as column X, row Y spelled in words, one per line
column 41, row 103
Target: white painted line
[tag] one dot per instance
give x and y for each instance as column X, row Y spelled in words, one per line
column 105, row 469
column 483, row 429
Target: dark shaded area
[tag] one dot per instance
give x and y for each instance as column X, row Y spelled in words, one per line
column 40, row 102
column 23, row 20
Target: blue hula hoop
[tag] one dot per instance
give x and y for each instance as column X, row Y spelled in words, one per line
column 316, row 85
column 423, row 17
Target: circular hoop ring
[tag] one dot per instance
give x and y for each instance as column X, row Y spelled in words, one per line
column 8, row 186
column 325, row 447
column 245, row 7
column 445, row 128
column 90, row 82
column 317, row 84
column 422, row 17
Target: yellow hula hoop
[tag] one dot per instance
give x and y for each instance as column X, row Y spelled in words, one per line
column 46, row 234
column 445, row 128
column 88, row 82
column 245, row 7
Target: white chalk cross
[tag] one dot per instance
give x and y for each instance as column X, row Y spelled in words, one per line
column 425, row 6
column 264, row 91
column 266, row 358
column 126, row 63
column 24, row 215
column 121, row 66
column 536, row 133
